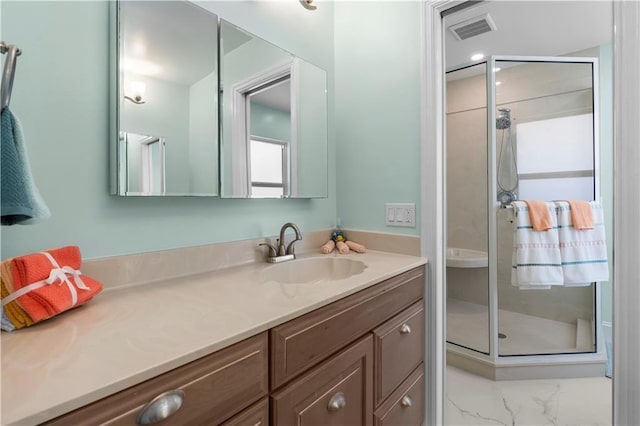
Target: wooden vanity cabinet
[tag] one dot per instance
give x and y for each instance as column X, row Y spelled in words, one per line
column 355, row 362
column 314, row 362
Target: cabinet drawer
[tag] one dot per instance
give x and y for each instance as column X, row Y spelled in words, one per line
column 215, row 388
column 256, row 415
column 336, row 393
column 305, row 341
column 398, row 349
column 405, row 406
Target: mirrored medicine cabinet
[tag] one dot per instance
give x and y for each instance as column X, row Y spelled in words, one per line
column 201, row 107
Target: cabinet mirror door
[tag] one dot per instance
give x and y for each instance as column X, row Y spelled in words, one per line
column 273, row 120
column 165, row 89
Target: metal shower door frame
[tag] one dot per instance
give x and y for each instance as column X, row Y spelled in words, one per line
column 493, row 205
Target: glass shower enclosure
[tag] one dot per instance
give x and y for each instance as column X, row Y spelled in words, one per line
column 517, row 128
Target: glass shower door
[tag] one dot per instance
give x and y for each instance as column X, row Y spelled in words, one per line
column 545, row 150
column 467, row 233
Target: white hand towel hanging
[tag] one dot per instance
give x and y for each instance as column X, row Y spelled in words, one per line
column 536, row 261
column 583, row 252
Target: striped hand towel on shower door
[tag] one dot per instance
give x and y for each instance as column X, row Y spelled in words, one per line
column 583, row 252
column 536, row 261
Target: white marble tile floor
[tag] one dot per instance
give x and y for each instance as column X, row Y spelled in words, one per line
column 475, row 400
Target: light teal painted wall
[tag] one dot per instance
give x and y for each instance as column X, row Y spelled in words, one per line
column 377, row 110
column 312, row 131
column 203, row 129
column 270, row 122
column 61, row 96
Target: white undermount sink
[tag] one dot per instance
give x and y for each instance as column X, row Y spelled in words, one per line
column 317, row 269
column 466, row 258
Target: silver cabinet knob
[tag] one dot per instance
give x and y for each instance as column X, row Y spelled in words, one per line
column 161, row 407
column 337, row 402
column 405, row 329
column 406, row 401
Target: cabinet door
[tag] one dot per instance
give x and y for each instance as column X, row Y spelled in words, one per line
column 214, row 388
column 256, row 415
column 338, row 392
column 398, row 348
column 405, row 406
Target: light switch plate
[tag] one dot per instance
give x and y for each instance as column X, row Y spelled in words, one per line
column 400, row 214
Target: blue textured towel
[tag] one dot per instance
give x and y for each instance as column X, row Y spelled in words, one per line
column 16, row 206
column 5, row 324
column 21, row 202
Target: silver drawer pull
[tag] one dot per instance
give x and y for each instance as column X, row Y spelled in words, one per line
column 161, row 407
column 406, row 401
column 337, row 402
column 405, row 329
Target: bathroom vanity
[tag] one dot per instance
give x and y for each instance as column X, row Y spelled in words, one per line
column 238, row 349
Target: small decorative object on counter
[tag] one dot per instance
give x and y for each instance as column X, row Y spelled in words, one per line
column 339, row 240
column 328, row 247
column 358, row 248
column 41, row 285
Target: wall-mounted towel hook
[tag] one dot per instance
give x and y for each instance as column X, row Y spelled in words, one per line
column 9, row 72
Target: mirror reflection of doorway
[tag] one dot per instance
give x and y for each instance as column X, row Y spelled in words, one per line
column 152, row 165
column 269, row 135
column 144, row 164
column 264, row 117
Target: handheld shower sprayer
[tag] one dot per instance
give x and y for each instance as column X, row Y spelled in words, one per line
column 504, row 119
column 507, row 173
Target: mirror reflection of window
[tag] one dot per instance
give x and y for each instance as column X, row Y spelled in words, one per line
column 268, row 167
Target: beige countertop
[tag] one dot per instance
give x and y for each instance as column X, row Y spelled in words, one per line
column 130, row 334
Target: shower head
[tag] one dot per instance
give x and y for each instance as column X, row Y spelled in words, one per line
column 504, row 119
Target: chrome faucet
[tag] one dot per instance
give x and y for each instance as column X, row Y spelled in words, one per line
column 282, row 252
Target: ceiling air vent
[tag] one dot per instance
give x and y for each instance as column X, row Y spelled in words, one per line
column 473, row 27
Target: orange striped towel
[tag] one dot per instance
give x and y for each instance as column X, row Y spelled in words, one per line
column 48, row 283
column 539, row 215
column 581, row 215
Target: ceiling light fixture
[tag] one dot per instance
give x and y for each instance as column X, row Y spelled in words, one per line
column 307, row 4
column 496, row 69
column 498, row 83
column 477, row 56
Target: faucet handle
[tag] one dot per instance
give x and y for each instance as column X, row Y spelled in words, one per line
column 272, row 249
column 290, row 246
